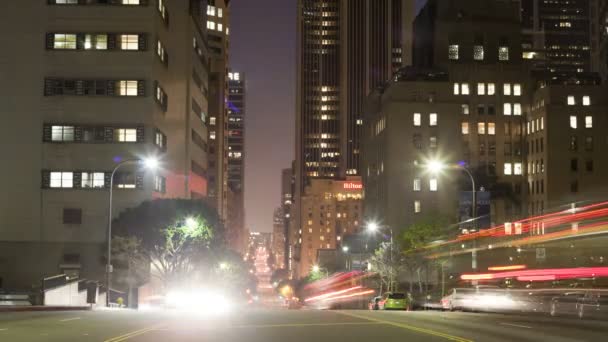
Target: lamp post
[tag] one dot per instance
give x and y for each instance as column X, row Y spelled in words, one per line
column 150, row 163
column 374, row 227
column 345, row 250
column 435, row 166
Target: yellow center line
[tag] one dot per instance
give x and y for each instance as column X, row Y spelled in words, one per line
column 295, row 325
column 409, row 327
column 129, row 335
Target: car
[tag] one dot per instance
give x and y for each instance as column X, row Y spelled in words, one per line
column 594, row 304
column 566, row 303
column 458, row 299
column 394, row 301
column 374, row 303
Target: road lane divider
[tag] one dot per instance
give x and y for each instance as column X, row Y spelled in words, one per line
column 409, row 327
column 516, row 325
column 296, row 325
column 133, row 334
column 69, row 319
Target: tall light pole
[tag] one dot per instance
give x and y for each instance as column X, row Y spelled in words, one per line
column 374, row 227
column 435, row 166
column 149, row 163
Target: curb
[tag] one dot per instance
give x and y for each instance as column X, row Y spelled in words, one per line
column 43, row 308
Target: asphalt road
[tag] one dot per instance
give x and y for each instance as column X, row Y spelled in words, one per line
column 293, row 326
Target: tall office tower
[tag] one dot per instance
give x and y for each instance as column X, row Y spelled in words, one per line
column 218, row 38
column 278, row 238
column 287, row 192
column 559, row 29
column 346, row 48
column 599, row 37
column 95, row 83
column 236, row 108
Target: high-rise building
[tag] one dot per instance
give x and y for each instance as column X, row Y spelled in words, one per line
column 218, row 29
column 561, row 30
column 345, row 49
column 332, row 210
column 96, row 83
column 290, row 234
column 599, row 37
column 235, row 222
column 278, row 238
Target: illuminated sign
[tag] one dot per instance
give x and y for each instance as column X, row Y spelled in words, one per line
column 352, row 185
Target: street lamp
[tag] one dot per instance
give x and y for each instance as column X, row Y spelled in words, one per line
column 150, row 164
column 436, row 166
column 375, row 227
column 316, row 268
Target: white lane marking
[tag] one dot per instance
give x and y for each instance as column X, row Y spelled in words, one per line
column 69, row 319
column 517, row 325
column 3, row 329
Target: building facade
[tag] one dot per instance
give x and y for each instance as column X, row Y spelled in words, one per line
column 333, row 209
column 218, row 14
column 98, row 83
column 278, row 238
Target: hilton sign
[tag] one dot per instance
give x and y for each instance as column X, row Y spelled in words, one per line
column 352, row 185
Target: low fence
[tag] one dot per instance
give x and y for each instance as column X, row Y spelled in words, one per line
column 60, row 291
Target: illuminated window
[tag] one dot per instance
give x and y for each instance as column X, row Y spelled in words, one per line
column 456, row 89
column 506, row 109
column 220, row 27
column 211, row 10
column 212, row 135
column 465, row 89
column 95, row 41
column 417, row 119
column 433, row 119
column 433, row 184
column 125, row 135
column 127, row 88
column 465, row 128
column 62, row 133
column 212, row 121
column 517, row 169
column 465, row 109
column 503, row 53
column 478, row 52
column 506, row 89
column 481, row 128
column 508, row 169
column 130, row 2
column 93, row 180
column 64, row 41
column 573, row 122
column 517, row 89
column 491, row 89
column 211, row 25
column 417, row 207
column 586, row 101
column 588, row 121
column 571, row 100
column 129, row 42
column 453, row 52
column 62, row 180
column 517, row 109
column 491, row 128
column 220, row 13
column 417, row 184
column 481, row 89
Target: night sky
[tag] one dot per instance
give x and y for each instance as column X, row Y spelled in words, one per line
column 263, row 35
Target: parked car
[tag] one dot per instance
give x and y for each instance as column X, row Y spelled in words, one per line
column 594, row 304
column 566, row 303
column 393, row 301
column 374, row 303
column 458, row 299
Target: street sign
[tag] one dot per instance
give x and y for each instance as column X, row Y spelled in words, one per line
column 541, row 254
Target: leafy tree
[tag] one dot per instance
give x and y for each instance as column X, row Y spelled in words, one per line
column 175, row 235
column 415, row 237
column 386, row 266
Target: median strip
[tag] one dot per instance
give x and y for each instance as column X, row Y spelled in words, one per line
column 69, row 319
column 409, row 327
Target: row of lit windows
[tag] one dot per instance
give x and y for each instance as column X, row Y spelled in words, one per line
column 586, row 100
column 213, row 11
column 432, row 119
column 482, row 128
column 574, row 121
column 100, row 2
column 96, row 41
column 478, row 52
column 96, row 180
column 433, row 185
column 64, row 133
column 488, row 89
